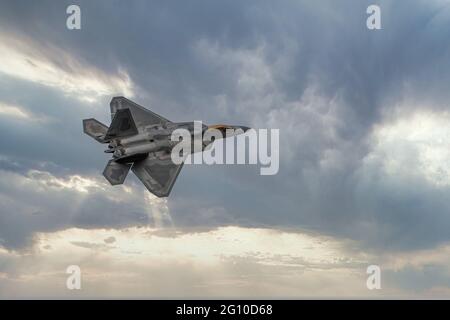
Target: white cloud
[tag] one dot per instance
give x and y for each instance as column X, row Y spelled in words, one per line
column 18, row 112
column 52, row 66
column 13, row 111
column 73, row 182
column 415, row 145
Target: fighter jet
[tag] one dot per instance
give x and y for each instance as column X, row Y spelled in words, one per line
column 141, row 140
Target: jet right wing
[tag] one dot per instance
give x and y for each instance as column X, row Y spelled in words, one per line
column 157, row 173
column 142, row 116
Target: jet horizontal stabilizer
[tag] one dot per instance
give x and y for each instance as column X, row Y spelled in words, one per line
column 95, row 129
column 116, row 172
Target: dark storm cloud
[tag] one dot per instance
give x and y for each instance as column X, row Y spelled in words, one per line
column 183, row 57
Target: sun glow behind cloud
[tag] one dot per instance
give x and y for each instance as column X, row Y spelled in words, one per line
column 159, row 262
column 228, row 261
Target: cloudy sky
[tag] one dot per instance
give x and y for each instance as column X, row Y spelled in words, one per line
column 364, row 123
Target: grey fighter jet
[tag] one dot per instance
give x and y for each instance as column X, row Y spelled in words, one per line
column 140, row 139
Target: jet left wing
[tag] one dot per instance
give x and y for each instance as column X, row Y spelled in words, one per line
column 158, row 173
column 142, row 116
